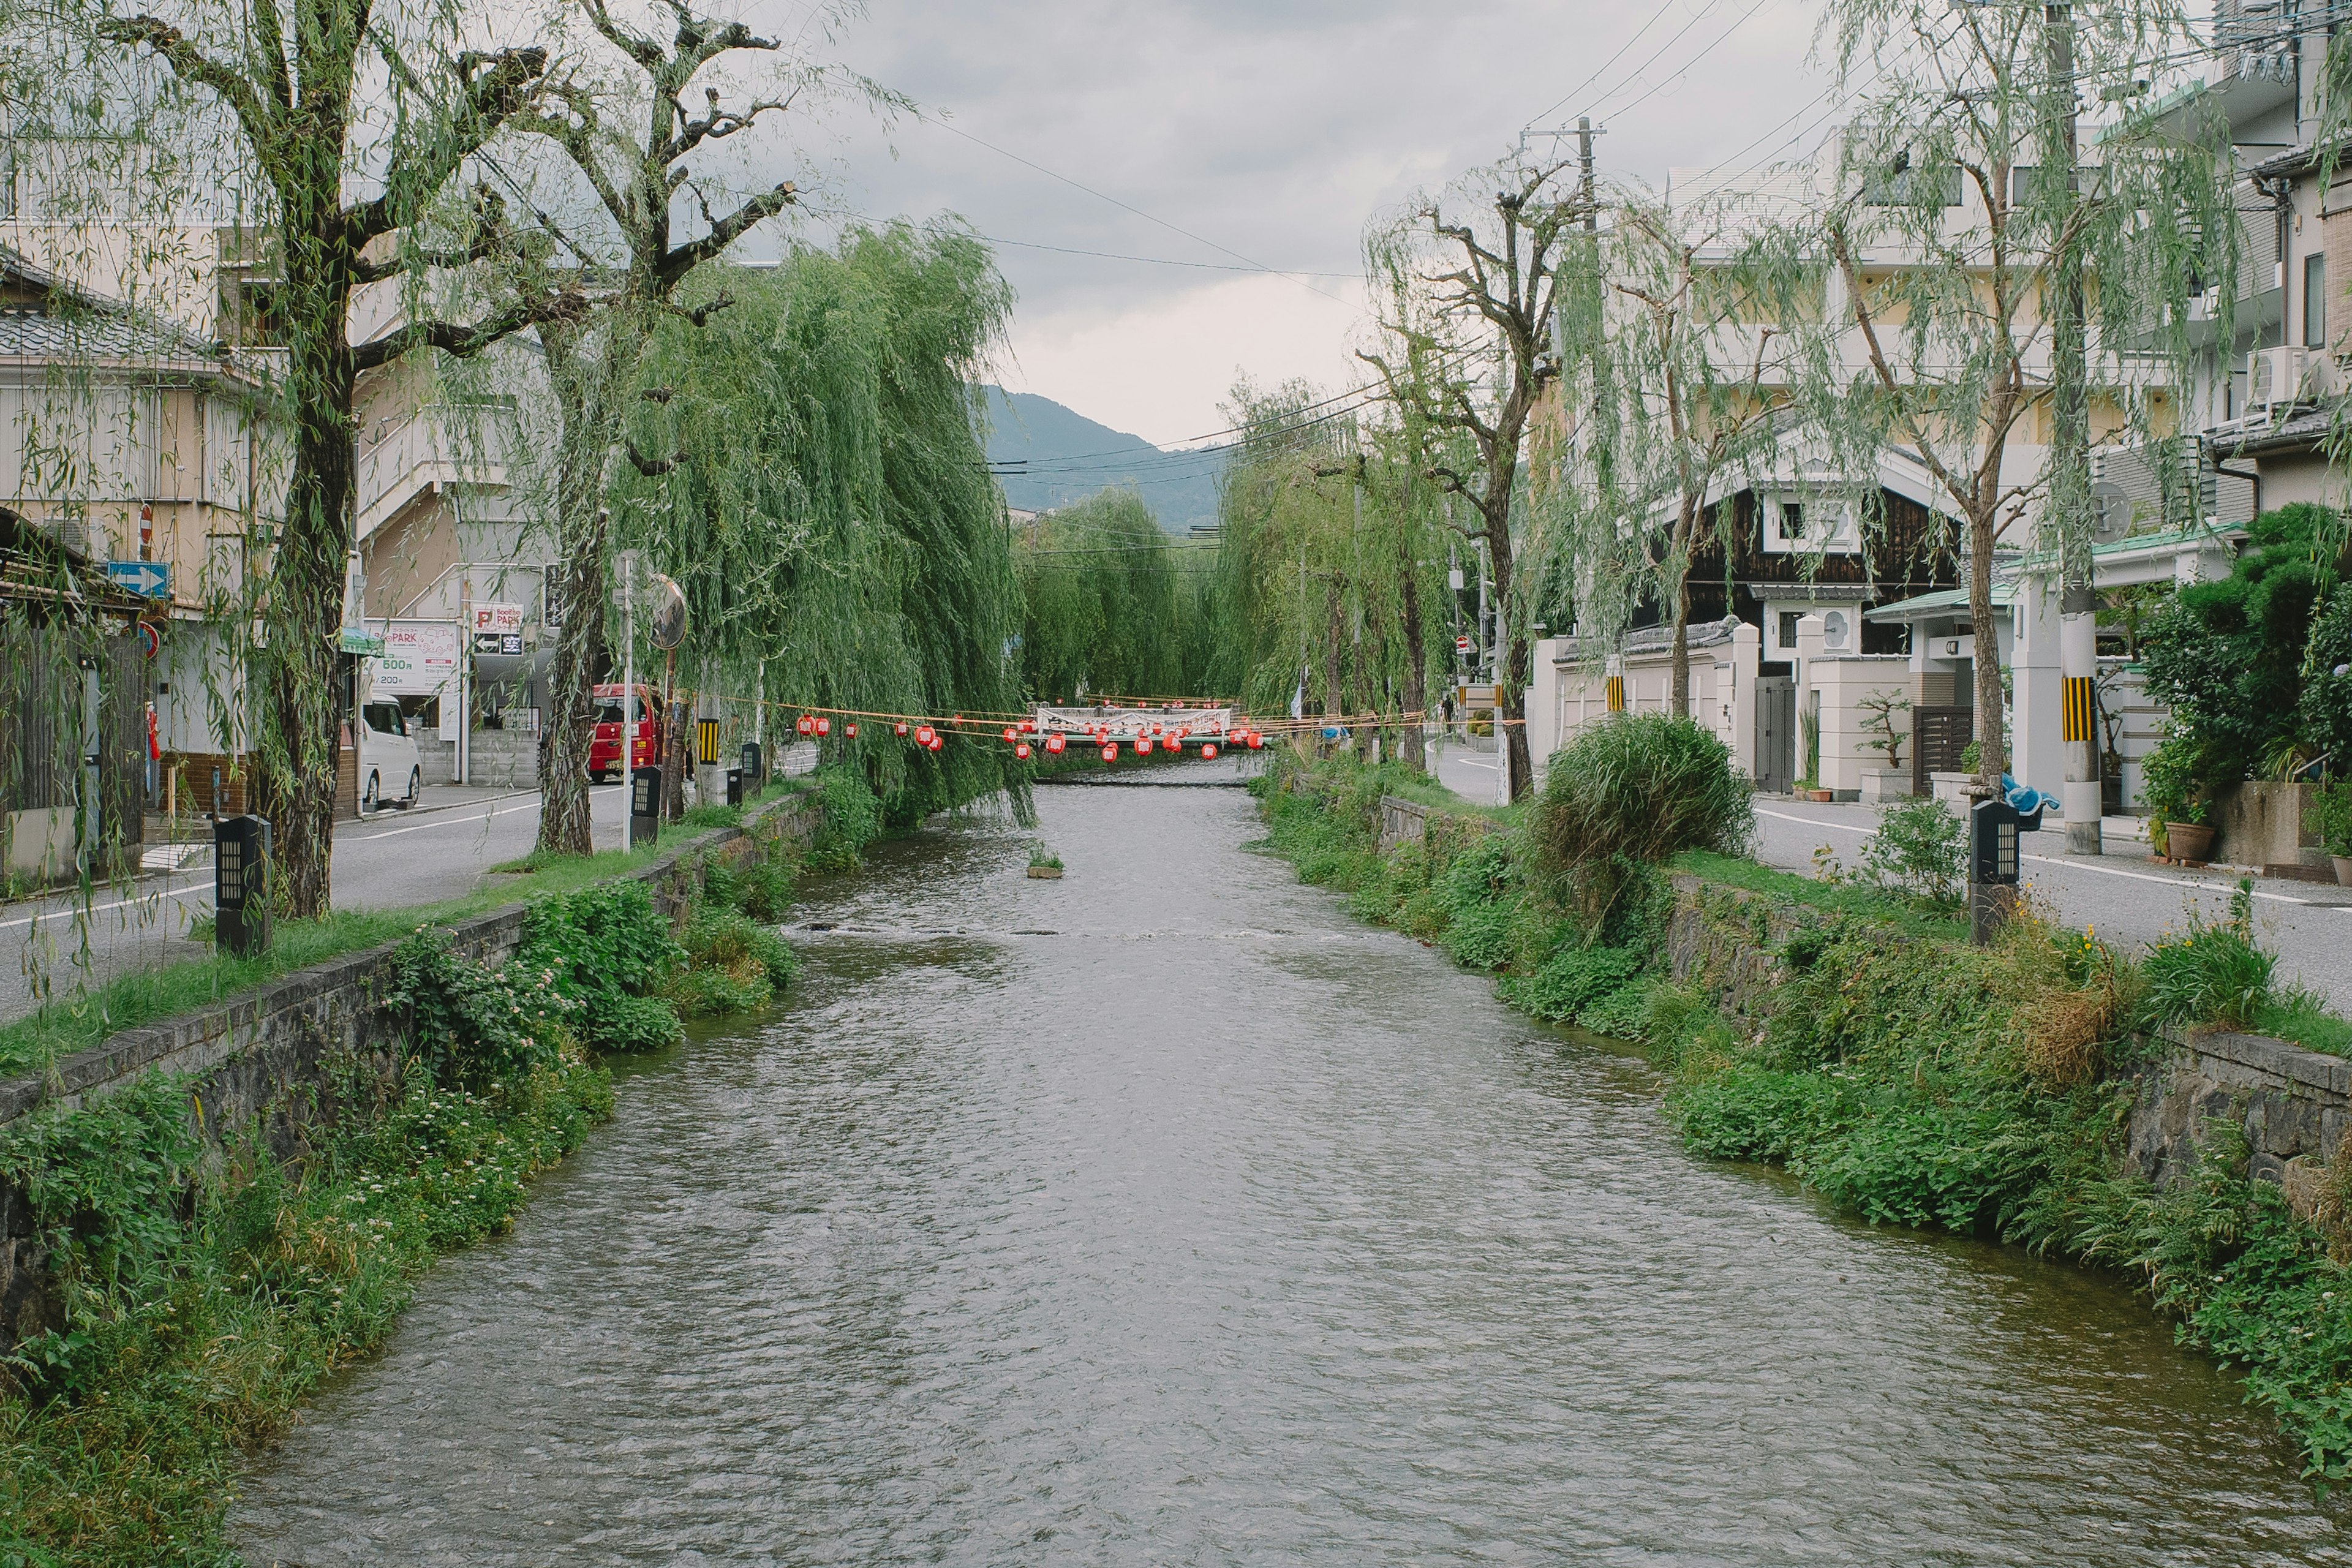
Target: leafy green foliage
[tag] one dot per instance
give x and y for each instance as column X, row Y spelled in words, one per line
column 2228, row 656
column 1583, row 985
column 1919, row 851
column 851, row 818
column 733, row 964
column 1105, row 607
column 205, row 1300
column 2214, row 974
column 605, row 949
column 2332, row 805
column 1631, row 791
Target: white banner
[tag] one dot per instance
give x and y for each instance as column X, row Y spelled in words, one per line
column 419, row 658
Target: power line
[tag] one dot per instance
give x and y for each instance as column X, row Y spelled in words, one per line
column 1686, row 65
column 1655, row 18
column 1131, row 207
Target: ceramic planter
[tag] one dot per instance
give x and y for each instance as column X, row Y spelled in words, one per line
column 2191, row 843
column 2343, row 868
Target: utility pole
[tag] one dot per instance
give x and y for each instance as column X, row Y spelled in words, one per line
column 2070, row 453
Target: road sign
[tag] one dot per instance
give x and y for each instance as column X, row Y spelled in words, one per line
column 1461, row 645
column 148, row 579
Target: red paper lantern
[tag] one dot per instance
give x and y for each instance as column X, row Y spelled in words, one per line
column 935, row 742
column 1173, row 743
column 1022, row 751
column 1208, row 751
column 1143, row 746
column 902, row 727
column 825, row 726
column 1257, row 740
column 1009, row 734
column 1055, row 744
column 1110, row 754
column 850, row 728
column 927, row 736
column 1029, row 726
column 807, row 726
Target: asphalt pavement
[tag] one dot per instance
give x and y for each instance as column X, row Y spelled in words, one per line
column 441, row 848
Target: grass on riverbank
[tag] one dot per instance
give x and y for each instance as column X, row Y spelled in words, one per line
column 206, row 1292
column 1902, row 1074
column 85, row 1017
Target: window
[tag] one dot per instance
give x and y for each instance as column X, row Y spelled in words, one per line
column 2315, row 300
column 384, row 718
column 1792, row 520
column 1789, row 628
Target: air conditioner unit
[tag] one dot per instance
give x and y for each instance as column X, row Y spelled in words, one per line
column 2283, row 375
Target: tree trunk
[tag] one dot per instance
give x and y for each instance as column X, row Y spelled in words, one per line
column 1992, row 756
column 587, row 384
column 673, row 748
column 1511, row 680
column 1416, row 671
column 303, row 598
column 1678, row 596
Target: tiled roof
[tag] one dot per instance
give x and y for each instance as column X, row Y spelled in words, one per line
column 77, row 327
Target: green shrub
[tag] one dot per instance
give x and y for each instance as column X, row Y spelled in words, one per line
column 1482, row 936
column 2333, row 806
column 1575, row 982
column 1920, row 851
column 2216, row 973
column 733, row 964
column 1633, row 790
column 850, row 817
column 470, row 1025
column 606, row 949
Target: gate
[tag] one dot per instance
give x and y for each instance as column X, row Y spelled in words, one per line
column 1939, row 736
column 1776, row 734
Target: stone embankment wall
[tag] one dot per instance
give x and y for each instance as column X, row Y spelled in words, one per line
column 280, row 1060
column 2291, row 1103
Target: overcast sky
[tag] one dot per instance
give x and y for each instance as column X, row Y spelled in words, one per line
column 1268, row 128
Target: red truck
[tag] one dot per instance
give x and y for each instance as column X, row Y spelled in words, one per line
column 604, row 750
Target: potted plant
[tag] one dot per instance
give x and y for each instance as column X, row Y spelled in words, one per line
column 1044, row 864
column 2333, row 806
column 2177, row 802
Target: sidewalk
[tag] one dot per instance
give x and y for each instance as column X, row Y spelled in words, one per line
column 440, row 848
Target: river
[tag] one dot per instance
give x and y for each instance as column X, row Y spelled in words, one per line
column 1163, row 1214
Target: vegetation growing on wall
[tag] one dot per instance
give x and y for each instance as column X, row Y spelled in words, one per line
column 205, row 1290
column 1909, row 1077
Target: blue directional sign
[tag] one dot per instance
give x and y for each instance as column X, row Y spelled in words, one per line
column 148, row 579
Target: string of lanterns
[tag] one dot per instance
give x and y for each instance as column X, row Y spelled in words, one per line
column 1021, row 734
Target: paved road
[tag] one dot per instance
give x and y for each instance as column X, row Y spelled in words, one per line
column 440, row 850
column 2122, row 894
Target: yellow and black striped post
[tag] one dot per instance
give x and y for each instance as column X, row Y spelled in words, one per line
column 2075, row 718
column 1616, row 686
column 706, row 741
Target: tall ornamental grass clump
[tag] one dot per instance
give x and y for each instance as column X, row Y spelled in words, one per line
column 1633, row 790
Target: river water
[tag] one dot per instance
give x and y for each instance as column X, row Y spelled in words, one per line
column 1163, row 1214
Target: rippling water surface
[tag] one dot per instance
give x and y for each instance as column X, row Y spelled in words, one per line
column 1162, row 1214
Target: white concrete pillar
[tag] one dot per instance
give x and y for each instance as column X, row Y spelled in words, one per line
column 2036, row 756
column 1811, row 639
column 1747, row 653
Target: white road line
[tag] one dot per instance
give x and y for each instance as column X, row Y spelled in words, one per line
column 67, row 913
column 438, row 819
column 2074, row 865
column 530, row 804
column 169, row 892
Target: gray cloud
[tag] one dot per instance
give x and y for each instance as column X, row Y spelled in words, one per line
column 1275, row 129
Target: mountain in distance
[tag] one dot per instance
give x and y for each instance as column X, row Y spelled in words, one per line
column 1070, row 457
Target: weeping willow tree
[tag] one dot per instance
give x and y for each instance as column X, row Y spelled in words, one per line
column 343, row 126
column 829, row 515
column 1328, row 585
column 1466, row 283
column 1108, row 604
column 636, row 162
column 1994, row 307
column 1687, row 356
